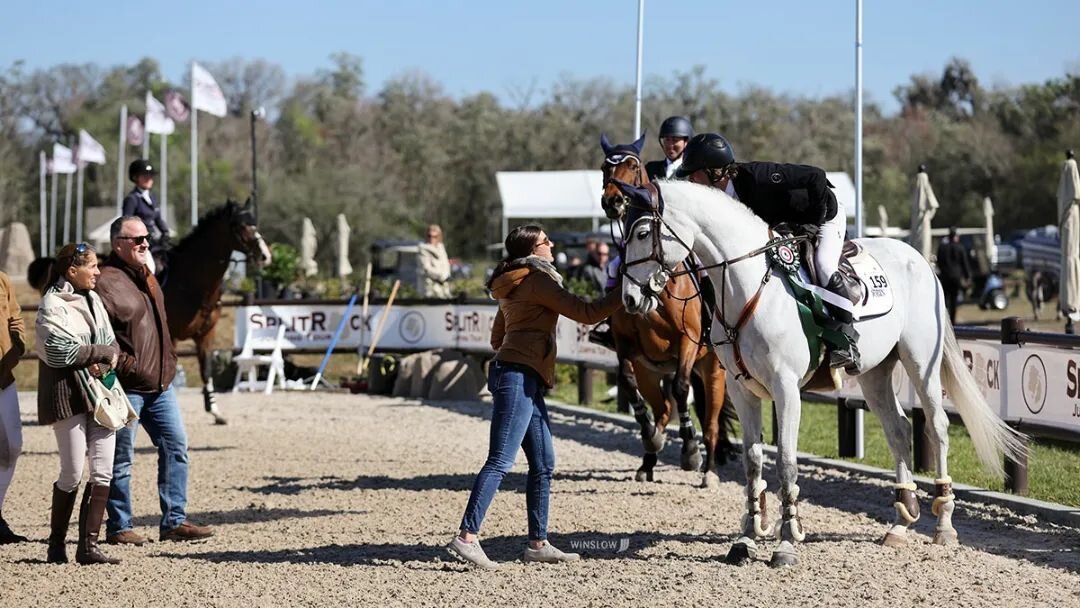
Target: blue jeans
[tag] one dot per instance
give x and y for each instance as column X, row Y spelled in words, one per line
column 519, row 418
column 159, row 414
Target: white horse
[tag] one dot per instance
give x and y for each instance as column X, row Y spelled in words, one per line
column 775, row 355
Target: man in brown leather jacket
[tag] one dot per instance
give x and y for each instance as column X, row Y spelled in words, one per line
column 146, row 366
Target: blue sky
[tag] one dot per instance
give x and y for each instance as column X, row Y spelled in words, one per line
column 801, row 47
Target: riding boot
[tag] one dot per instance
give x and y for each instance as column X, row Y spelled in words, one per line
column 91, row 514
column 63, row 503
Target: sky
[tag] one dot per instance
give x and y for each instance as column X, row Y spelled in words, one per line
column 798, row 47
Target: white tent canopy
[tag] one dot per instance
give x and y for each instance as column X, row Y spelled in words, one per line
column 576, row 194
column 545, row 194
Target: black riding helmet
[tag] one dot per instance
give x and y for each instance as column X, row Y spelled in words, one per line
column 140, row 167
column 676, row 126
column 705, row 151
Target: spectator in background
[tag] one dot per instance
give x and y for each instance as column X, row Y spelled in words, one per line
column 954, row 270
column 595, row 270
column 434, row 265
column 12, row 346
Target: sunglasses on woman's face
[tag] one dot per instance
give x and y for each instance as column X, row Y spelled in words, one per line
column 135, row 240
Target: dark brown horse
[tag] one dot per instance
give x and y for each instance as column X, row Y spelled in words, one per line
column 195, row 276
column 665, row 342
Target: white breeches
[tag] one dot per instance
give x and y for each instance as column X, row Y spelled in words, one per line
column 830, row 245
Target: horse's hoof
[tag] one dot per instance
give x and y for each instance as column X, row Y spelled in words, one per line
column 691, row 461
column 783, row 559
column 894, row 540
column 946, row 537
column 741, row 554
column 643, row 475
column 655, row 443
column 218, row 420
column 710, row 481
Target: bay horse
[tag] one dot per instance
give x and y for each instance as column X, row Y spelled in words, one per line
column 668, row 341
column 195, row 276
column 769, row 349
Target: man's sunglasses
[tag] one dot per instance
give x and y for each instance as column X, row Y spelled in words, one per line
column 137, row 240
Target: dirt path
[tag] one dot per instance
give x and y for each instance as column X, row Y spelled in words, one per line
column 336, row 500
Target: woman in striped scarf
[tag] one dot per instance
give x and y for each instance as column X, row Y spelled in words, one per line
column 75, row 339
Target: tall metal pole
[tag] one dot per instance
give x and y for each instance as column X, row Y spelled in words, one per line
column 79, row 206
column 43, row 245
column 164, row 161
column 254, row 168
column 67, row 210
column 194, row 152
column 52, row 212
column 120, row 149
column 859, row 435
column 640, row 48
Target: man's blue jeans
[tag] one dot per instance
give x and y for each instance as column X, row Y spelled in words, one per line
column 159, row 414
column 519, row 418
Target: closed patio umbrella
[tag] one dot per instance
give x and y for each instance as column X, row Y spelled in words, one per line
column 923, row 207
column 308, row 243
column 344, row 268
column 883, row 220
column 1069, row 215
column 991, row 246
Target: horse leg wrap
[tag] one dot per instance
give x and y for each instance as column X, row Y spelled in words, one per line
column 756, row 512
column 209, row 399
column 907, row 503
column 943, row 495
column 789, row 526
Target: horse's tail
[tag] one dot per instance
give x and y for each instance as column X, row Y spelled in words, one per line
column 991, row 436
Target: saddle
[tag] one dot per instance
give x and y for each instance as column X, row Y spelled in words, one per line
column 856, row 291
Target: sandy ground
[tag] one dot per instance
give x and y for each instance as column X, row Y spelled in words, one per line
column 340, row 500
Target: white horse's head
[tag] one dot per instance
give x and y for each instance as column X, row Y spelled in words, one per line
column 655, row 244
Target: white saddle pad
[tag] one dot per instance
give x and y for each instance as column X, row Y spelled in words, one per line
column 877, row 288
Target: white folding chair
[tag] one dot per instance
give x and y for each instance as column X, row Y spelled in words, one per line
column 269, row 339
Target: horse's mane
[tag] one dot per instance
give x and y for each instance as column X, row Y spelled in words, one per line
column 206, row 222
column 712, row 198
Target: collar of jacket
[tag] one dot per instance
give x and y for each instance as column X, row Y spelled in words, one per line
column 136, row 275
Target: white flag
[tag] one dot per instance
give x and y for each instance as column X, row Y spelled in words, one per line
column 61, row 159
column 206, row 95
column 89, row 150
column 156, row 119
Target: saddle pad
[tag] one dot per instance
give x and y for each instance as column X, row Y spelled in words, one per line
column 878, row 292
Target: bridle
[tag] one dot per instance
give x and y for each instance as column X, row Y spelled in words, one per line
column 653, row 213
column 611, row 163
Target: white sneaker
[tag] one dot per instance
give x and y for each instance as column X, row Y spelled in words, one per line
column 548, row 554
column 471, row 553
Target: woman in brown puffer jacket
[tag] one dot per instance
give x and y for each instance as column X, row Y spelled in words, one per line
column 531, row 298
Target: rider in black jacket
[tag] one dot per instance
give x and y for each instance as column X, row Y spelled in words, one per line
column 799, row 195
column 675, row 132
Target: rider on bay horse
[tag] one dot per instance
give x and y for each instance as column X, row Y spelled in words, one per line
column 798, row 195
column 141, row 203
column 675, row 132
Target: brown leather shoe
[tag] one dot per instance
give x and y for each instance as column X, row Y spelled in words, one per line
column 187, row 531
column 127, row 537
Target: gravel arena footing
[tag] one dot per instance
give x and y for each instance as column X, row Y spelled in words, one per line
column 331, row 499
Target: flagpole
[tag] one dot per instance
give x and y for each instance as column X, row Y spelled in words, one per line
column 194, row 152
column 164, row 160
column 52, row 212
column 637, row 92
column 860, row 441
column 120, row 163
column 67, row 209
column 145, row 141
column 43, row 246
column 79, row 206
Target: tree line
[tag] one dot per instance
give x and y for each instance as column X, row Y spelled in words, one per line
column 409, row 154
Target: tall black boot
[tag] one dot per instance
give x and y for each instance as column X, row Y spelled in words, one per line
column 63, row 503
column 7, row 537
column 91, row 514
